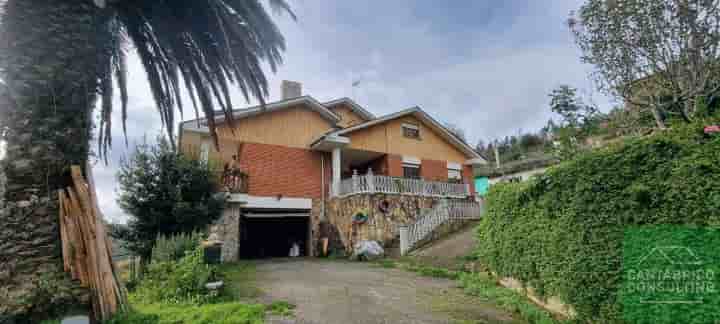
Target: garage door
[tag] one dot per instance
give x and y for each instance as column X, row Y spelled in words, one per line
column 272, row 234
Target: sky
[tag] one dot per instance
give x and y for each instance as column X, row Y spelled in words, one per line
column 485, row 66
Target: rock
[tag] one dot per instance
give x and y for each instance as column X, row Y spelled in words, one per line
column 23, row 204
column 214, row 285
column 368, row 250
column 81, row 319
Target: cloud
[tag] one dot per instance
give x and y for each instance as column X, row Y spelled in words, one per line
column 485, row 66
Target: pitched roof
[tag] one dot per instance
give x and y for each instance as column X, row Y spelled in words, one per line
column 353, row 106
column 199, row 125
column 423, row 116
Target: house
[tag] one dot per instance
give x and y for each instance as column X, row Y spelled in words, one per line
column 309, row 168
column 520, row 170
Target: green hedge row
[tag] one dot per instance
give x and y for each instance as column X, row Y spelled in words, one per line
column 562, row 232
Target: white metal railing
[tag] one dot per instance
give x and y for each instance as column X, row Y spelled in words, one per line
column 430, row 219
column 371, row 183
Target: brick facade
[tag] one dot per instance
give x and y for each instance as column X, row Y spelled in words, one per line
column 433, row 170
column 279, row 170
column 394, row 165
column 468, row 177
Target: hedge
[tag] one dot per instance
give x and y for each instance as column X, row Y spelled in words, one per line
column 562, row 232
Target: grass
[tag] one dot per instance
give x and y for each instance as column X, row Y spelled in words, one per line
column 413, row 265
column 221, row 313
column 239, row 279
column 281, row 308
column 237, row 304
column 479, row 285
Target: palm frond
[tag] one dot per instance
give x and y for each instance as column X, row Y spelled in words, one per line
column 210, row 44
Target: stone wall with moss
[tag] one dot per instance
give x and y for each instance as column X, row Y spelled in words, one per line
column 385, row 213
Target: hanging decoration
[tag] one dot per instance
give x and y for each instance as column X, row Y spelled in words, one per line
column 360, row 217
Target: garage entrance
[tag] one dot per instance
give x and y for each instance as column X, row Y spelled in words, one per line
column 266, row 234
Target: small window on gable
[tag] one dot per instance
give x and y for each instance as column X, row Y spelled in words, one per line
column 411, row 131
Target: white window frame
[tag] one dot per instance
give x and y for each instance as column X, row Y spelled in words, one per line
column 411, row 162
column 205, row 151
column 454, row 171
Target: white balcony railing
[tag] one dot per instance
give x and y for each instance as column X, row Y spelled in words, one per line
column 371, row 183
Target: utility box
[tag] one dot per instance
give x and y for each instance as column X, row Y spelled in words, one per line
column 213, row 253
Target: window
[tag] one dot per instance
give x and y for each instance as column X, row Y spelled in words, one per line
column 454, row 172
column 411, row 167
column 454, row 175
column 411, row 131
column 205, row 151
column 411, row 171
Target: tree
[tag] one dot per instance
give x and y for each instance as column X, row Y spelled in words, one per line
column 579, row 121
column 565, row 102
column 660, row 55
column 165, row 193
column 59, row 58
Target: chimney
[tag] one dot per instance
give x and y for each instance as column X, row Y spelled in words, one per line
column 290, row 89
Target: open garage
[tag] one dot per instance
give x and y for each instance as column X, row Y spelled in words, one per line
column 269, row 234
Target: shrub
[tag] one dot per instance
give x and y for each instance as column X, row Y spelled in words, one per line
column 164, row 192
column 173, row 248
column 562, row 232
column 176, row 282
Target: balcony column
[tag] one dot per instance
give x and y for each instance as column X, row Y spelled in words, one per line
column 336, row 168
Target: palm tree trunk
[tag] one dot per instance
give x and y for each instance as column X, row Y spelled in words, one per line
column 49, row 59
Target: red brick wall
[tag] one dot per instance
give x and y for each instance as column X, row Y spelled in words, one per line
column 433, row 170
column 468, row 177
column 394, row 165
column 279, row 170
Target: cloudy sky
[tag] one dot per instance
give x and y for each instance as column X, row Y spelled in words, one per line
column 483, row 65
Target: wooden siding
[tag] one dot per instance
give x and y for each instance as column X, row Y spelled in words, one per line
column 292, row 127
column 388, row 138
column 347, row 116
column 192, row 143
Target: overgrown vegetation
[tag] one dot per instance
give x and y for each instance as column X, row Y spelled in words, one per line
column 165, row 193
column 173, row 289
column 562, row 232
column 173, row 248
column 178, row 282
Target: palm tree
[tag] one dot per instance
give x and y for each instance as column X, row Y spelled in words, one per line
column 58, row 60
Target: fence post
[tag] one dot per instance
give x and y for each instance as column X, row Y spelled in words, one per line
column 355, row 181
column 370, row 180
column 404, row 239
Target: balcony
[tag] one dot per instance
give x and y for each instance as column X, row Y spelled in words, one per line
column 232, row 182
column 371, row 183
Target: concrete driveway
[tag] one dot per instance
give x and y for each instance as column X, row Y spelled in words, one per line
column 340, row 292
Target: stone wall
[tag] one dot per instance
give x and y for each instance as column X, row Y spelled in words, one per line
column 381, row 225
column 226, row 229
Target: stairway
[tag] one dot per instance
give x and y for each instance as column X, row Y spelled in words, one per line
column 445, row 212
